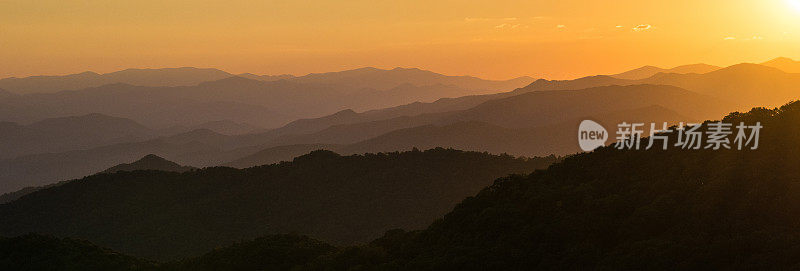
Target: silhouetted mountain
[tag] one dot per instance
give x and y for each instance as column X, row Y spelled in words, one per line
column 512, row 110
column 39, row 252
column 266, row 77
column 740, row 86
column 277, row 154
column 140, row 77
column 648, row 71
column 580, row 83
column 611, row 209
column 150, row 162
column 479, row 136
column 429, row 131
column 205, row 148
column 68, row 133
column 156, row 107
column 549, row 107
column 341, row 199
column 265, row 104
column 197, row 148
column 227, row 127
column 303, row 126
column 617, row 210
column 12, row 196
column 380, row 79
column 744, row 85
column 275, row 252
column 784, row 64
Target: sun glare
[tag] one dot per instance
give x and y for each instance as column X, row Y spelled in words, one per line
column 794, row 4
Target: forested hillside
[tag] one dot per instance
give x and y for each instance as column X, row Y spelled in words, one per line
column 339, row 199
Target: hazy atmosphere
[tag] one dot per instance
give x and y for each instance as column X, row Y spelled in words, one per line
column 490, row 39
column 399, row 135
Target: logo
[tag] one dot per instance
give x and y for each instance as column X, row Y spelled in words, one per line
column 591, row 135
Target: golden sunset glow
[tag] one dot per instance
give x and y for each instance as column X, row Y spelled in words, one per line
column 795, row 4
column 492, row 39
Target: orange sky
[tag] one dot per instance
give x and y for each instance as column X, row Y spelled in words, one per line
column 493, row 39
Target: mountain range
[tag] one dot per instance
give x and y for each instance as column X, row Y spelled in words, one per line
column 149, row 162
column 609, row 209
column 521, row 121
column 649, row 71
column 341, row 199
column 69, row 133
column 185, row 76
column 784, row 64
column 255, row 102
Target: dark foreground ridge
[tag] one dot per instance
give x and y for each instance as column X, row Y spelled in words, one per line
column 607, row 210
column 339, row 199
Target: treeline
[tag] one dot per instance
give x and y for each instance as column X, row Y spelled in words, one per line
column 610, row 209
column 340, row 199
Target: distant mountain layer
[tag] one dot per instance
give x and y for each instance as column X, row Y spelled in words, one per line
column 617, row 210
column 784, row 64
column 257, row 102
column 609, row 210
column 278, row 154
column 622, row 210
column 737, row 87
column 341, row 199
column 69, row 133
column 740, row 86
column 527, row 115
column 648, row 71
column 149, row 162
column 195, row 148
column 141, row 77
column 386, row 79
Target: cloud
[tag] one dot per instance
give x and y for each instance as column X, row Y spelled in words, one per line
column 619, row 26
column 561, row 26
column 509, row 26
column 486, row 19
column 642, row 27
column 729, row 38
column 758, row 38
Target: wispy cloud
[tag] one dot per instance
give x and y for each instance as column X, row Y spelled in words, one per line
column 561, row 26
column 642, row 27
column 509, row 26
column 729, row 38
column 487, row 19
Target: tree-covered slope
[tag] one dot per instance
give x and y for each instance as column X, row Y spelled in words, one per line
column 631, row 210
column 273, row 252
column 33, row 252
column 338, row 199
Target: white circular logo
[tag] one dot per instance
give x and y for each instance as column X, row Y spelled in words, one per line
column 591, row 135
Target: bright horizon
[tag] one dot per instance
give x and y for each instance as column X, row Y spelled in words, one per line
column 486, row 39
